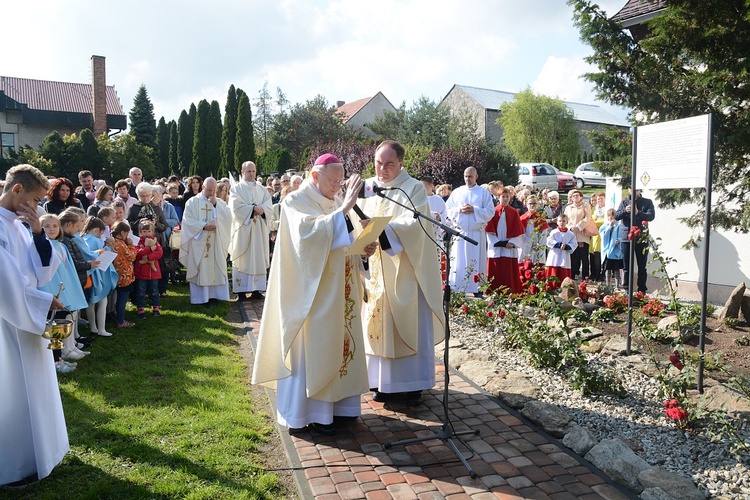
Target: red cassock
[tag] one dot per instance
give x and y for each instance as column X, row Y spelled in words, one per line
column 502, row 271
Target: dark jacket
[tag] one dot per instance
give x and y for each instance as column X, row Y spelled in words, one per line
column 57, row 207
column 80, row 264
column 646, row 212
column 150, row 211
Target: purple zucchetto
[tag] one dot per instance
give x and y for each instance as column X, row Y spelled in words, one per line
column 327, row 159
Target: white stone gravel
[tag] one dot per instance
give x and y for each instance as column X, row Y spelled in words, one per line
column 639, row 418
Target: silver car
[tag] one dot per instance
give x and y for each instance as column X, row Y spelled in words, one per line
column 587, row 175
column 537, row 175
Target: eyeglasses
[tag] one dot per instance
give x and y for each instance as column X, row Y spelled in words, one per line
column 339, row 182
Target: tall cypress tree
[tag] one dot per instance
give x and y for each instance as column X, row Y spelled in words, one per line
column 174, row 162
column 213, row 137
column 229, row 132
column 142, row 121
column 162, row 147
column 244, row 148
column 185, row 133
column 200, row 165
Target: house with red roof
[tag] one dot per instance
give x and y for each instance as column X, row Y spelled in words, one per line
column 31, row 109
column 357, row 114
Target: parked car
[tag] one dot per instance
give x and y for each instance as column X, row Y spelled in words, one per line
column 565, row 181
column 537, row 175
column 587, row 175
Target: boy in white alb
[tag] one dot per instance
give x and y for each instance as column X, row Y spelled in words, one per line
column 561, row 243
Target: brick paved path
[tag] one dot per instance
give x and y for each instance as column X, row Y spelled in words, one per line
column 512, row 458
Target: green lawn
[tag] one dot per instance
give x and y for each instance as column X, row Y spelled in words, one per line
column 162, row 410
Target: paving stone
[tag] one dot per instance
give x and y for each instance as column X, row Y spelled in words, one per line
column 431, row 495
column 350, row 491
column 506, row 493
column 402, row 491
column 378, row 495
column 534, row 474
column 423, row 487
column 367, row 476
column 520, row 461
column 533, row 493
column 448, row 486
column 392, row 478
column 413, row 479
column 519, row 482
column 342, row 477
column 322, row 486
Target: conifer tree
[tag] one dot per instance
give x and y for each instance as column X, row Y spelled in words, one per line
column 264, row 115
column 142, row 121
column 244, row 149
column 174, row 162
column 185, row 133
column 229, row 132
column 199, row 165
column 213, row 137
column 162, row 148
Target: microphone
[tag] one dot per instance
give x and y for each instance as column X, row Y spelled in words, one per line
column 378, row 189
column 359, row 212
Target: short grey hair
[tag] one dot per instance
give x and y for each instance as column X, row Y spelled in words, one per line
column 156, row 188
column 143, row 187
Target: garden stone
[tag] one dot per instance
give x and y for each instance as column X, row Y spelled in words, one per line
column 479, row 372
column 614, row 458
column 594, row 346
column 745, row 308
column 720, row 396
column 458, row 357
column 549, row 417
column 515, row 389
column 668, row 323
column 677, row 486
column 616, row 345
column 580, row 439
column 565, row 305
column 732, row 306
column 529, row 313
column 569, row 289
column 592, row 332
column 655, row 494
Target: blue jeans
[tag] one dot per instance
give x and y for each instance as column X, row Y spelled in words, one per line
column 123, row 294
column 146, row 287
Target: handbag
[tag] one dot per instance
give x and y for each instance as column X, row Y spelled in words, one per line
column 591, row 229
column 175, row 239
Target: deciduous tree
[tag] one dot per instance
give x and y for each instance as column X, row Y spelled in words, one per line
column 539, row 128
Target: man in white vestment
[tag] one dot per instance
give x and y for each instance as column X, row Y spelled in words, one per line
column 470, row 207
column 33, row 437
column 310, row 346
column 206, row 225
column 251, row 208
column 403, row 317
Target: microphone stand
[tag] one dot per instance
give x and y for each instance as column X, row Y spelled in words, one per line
column 447, row 433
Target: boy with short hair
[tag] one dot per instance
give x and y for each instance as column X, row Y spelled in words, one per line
column 33, row 437
column 561, row 243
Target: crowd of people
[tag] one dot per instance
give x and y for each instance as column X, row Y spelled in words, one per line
column 335, row 323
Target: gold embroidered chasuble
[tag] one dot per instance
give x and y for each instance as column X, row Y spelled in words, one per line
column 204, row 253
column 312, row 291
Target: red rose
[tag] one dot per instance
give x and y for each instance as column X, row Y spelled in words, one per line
column 491, row 303
column 540, row 275
column 676, row 360
column 500, row 313
column 533, row 289
column 464, row 308
column 476, row 278
column 528, row 274
column 527, row 264
column 489, row 314
column 582, row 287
column 644, row 223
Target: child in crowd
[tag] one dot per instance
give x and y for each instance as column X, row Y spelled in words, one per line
column 71, row 222
column 536, row 232
column 126, row 254
column 107, row 215
column 72, row 293
column 612, row 256
column 561, row 243
column 104, row 280
column 119, row 208
column 147, row 272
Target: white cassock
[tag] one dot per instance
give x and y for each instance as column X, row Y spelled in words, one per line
column 33, row 437
column 403, row 316
column 437, row 209
column 249, row 246
column 467, row 259
column 310, row 345
column 204, row 253
column 558, row 257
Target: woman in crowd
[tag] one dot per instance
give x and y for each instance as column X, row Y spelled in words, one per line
column 103, row 198
column 579, row 215
column 194, row 186
column 60, row 196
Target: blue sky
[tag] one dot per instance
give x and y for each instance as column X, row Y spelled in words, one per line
column 184, row 51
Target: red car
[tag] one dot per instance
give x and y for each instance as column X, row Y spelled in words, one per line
column 565, row 181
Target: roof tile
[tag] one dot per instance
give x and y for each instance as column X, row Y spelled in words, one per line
column 57, row 96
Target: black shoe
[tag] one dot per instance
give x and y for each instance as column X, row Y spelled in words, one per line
column 256, row 295
column 324, row 429
column 156, row 313
column 381, row 397
column 22, row 483
column 478, row 295
column 242, row 297
column 340, row 419
column 297, row 430
column 413, row 398
column 85, row 340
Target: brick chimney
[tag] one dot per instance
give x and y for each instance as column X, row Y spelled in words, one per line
column 99, row 93
column 340, row 103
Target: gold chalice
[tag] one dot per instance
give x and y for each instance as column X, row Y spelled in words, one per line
column 56, row 330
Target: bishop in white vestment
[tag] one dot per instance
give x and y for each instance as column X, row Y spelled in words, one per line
column 470, row 207
column 251, row 209
column 310, row 346
column 206, row 224
column 33, row 437
column 403, row 315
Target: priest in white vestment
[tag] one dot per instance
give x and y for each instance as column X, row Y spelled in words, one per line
column 403, row 316
column 206, row 225
column 251, row 209
column 33, row 437
column 310, row 346
column 470, row 207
